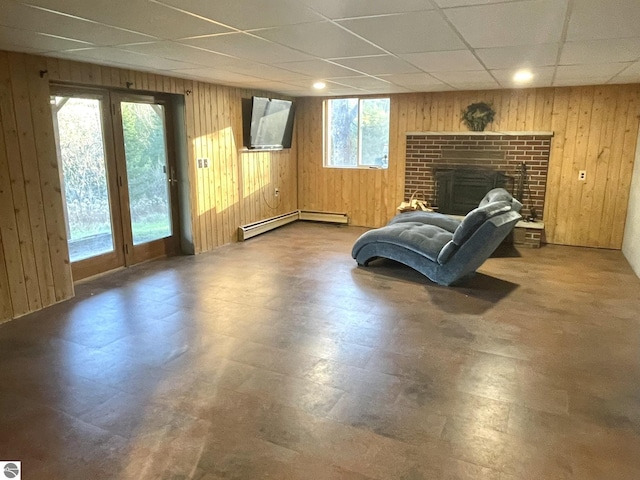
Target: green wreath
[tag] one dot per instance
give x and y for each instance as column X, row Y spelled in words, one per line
column 477, row 116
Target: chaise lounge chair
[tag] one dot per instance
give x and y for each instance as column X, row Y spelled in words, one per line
column 442, row 248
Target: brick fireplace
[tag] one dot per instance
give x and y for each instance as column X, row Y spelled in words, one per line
column 519, row 159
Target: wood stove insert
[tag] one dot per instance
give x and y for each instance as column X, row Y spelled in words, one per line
column 459, row 190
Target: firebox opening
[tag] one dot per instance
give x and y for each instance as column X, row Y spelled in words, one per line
column 459, row 190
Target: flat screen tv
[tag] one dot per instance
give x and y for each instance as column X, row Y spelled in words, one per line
column 267, row 123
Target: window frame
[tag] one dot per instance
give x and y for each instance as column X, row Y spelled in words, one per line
column 326, row 140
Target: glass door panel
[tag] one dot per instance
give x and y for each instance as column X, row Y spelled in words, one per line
column 117, row 175
column 145, row 148
column 81, row 150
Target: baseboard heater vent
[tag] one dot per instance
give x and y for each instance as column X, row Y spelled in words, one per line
column 251, row 230
column 324, row 217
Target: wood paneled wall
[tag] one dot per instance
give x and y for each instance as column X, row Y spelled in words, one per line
column 595, row 130
column 237, row 187
column 34, row 263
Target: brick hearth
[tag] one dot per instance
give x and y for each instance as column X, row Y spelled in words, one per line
column 502, row 152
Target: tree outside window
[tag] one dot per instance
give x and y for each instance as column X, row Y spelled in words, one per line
column 357, row 133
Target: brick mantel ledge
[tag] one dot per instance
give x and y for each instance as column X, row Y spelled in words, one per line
column 549, row 134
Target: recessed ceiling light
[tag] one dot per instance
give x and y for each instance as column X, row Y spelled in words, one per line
column 523, row 76
column 319, row 85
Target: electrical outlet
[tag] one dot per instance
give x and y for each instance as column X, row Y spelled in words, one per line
column 277, row 192
column 582, row 175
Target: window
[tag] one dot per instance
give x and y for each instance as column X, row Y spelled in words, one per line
column 356, row 133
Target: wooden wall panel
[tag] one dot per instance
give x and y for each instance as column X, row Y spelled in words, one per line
column 33, row 187
column 595, row 130
column 35, row 257
column 49, row 173
column 15, row 275
column 235, row 189
column 6, row 307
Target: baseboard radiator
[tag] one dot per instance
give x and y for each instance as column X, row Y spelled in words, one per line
column 245, row 232
column 328, row 217
column 251, row 230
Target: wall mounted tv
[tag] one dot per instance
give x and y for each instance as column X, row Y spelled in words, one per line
column 267, row 123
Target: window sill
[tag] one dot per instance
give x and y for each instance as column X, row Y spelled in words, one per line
column 355, row 168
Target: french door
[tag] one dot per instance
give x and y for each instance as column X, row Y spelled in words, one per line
column 118, row 176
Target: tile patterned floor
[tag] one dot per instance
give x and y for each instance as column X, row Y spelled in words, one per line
column 279, row 358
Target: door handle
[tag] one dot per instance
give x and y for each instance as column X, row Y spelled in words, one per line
column 172, row 176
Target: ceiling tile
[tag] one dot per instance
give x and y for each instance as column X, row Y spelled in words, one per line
column 454, row 61
column 542, row 77
column 604, row 19
column 305, row 83
column 267, row 72
column 316, row 68
column 339, row 91
column 185, row 53
column 249, row 14
column 531, row 22
column 432, row 88
column 413, row 80
column 323, row 39
column 463, row 3
column 361, row 81
column 519, row 57
column 124, row 57
column 295, row 93
column 428, row 32
column 331, row 88
column 289, row 39
column 377, row 65
column 243, row 45
column 387, row 88
column 335, row 9
column 17, row 15
column 622, row 79
column 601, row 51
column 628, row 75
column 261, row 84
column 217, row 74
column 73, row 55
column 587, row 74
column 289, row 91
column 137, row 15
column 479, row 79
column 633, row 69
column 23, row 39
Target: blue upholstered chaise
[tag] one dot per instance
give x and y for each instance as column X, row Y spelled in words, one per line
column 440, row 247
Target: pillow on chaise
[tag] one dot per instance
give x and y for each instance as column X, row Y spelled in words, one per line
column 477, row 217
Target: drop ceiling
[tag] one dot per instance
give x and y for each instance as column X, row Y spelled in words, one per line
column 356, row 46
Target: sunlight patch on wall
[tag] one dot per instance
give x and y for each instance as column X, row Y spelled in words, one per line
column 256, row 172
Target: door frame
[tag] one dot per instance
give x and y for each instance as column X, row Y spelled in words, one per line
column 125, row 253
column 165, row 246
column 116, row 258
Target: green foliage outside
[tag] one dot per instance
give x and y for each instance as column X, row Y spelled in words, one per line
column 81, row 145
column 83, row 166
column 343, row 128
column 146, row 163
column 374, row 132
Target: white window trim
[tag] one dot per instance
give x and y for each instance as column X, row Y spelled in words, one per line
column 326, row 138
